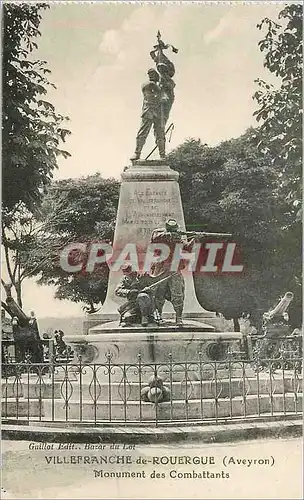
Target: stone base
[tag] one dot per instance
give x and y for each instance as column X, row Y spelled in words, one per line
column 149, row 195
column 193, row 341
column 149, row 170
column 208, row 318
column 167, row 326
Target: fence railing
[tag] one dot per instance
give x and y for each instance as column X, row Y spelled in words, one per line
column 50, row 352
column 279, row 349
column 170, row 392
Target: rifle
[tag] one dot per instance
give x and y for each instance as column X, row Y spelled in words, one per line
column 203, row 234
column 160, row 281
column 124, row 308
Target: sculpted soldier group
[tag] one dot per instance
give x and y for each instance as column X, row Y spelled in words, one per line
column 146, row 294
column 139, row 307
column 158, row 97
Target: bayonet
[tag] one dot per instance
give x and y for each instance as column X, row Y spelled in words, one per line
column 204, row 234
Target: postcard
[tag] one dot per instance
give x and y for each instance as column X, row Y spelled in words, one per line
column 151, row 250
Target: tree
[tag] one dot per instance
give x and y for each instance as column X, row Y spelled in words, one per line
column 251, row 186
column 83, row 210
column 18, row 228
column 280, row 104
column 280, row 131
column 32, row 132
column 20, row 231
column 31, row 129
column 233, row 188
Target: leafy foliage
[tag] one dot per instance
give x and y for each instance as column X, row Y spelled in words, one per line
column 31, row 135
column 18, row 228
column 280, row 104
column 233, row 188
column 82, row 210
column 31, row 129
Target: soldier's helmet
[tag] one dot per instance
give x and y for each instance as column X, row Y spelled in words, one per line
column 171, row 225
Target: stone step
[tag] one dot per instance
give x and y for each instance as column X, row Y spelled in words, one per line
column 130, row 391
column 139, row 411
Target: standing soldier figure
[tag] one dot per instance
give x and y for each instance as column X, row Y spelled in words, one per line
column 151, row 115
column 158, row 99
column 174, row 288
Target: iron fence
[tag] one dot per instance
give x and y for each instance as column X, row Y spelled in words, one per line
column 285, row 351
column 171, row 392
column 49, row 349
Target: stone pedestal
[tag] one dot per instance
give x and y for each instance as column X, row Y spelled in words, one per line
column 149, row 195
column 193, row 342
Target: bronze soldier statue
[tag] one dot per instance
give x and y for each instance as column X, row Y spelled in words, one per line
column 158, row 96
column 139, row 306
column 151, row 115
column 172, row 289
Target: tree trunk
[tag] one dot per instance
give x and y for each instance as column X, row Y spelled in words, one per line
column 236, row 325
column 18, row 294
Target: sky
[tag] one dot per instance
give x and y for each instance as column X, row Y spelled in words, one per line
column 99, row 55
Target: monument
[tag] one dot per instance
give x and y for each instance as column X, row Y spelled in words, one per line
column 149, row 200
column 149, row 193
column 153, row 355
